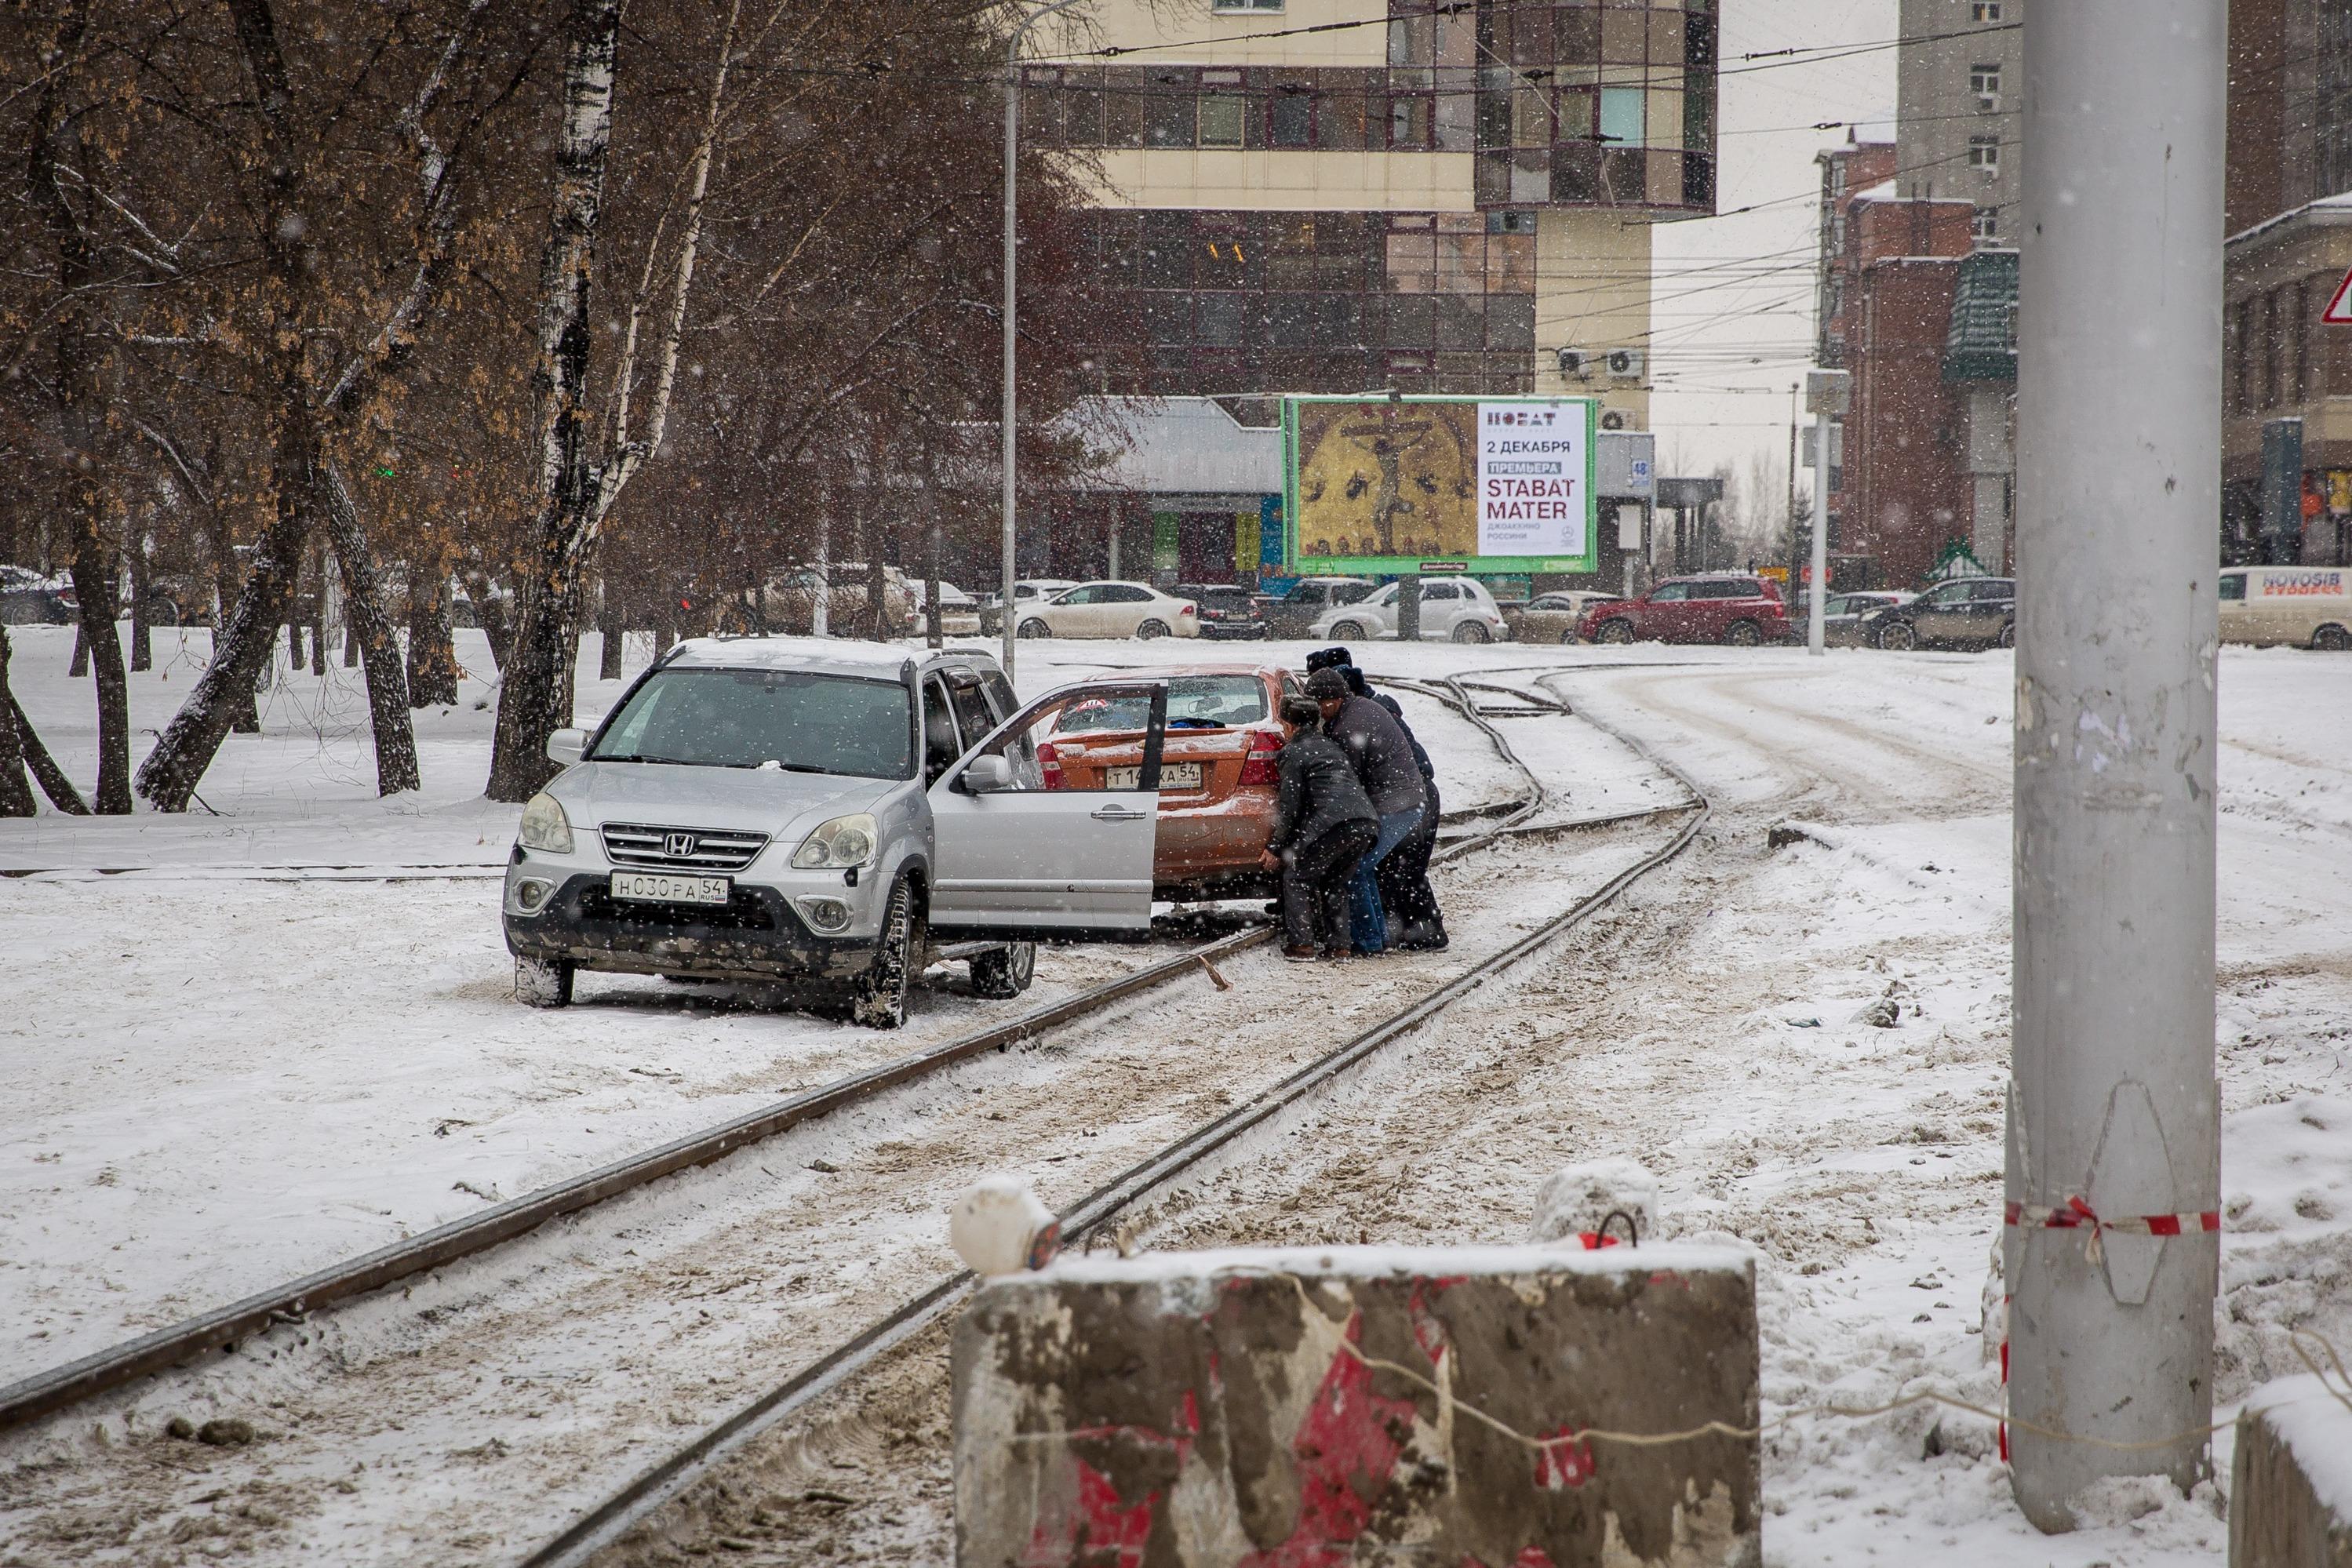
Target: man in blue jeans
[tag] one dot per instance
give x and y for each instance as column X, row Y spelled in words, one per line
column 1383, row 760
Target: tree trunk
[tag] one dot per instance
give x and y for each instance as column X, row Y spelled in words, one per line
column 134, row 556
column 53, row 780
column 78, row 666
column 368, row 626
column 186, row 748
column 80, row 393
column 15, row 790
column 576, row 487
column 609, row 630
column 535, row 694
column 491, row 612
column 432, row 653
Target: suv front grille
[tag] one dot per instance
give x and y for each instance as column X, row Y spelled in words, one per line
column 681, row 849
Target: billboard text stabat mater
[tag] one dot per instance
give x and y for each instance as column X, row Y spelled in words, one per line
column 1387, row 485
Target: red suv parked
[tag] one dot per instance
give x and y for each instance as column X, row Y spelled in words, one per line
column 1741, row 611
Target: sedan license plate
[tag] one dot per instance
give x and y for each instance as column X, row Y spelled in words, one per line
column 1172, row 776
column 664, row 887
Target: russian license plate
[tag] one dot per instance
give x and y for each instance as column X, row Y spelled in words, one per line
column 668, row 887
column 1172, row 776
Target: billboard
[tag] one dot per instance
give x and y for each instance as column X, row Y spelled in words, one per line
column 1382, row 486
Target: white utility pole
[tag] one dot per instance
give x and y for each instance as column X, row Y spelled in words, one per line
column 1012, row 269
column 2112, row 1098
column 1826, row 393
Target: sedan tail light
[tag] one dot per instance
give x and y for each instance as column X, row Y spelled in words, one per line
column 1187, row 609
column 1049, row 763
column 1263, row 765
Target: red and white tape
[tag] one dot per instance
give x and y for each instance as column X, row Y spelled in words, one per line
column 2075, row 1214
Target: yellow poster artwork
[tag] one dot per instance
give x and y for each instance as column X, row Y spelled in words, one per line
column 1387, row 479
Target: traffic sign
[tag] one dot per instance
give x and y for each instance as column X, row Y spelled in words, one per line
column 2340, row 309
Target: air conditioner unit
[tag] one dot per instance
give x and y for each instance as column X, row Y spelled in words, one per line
column 1576, row 364
column 1614, row 419
column 1625, row 364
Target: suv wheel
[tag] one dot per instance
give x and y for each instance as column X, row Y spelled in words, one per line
column 2007, row 638
column 542, row 982
column 878, row 1000
column 1897, row 637
column 1468, row 630
column 1034, row 629
column 2332, row 639
column 1002, row 973
column 1744, row 635
column 1348, row 632
column 1614, row 631
column 1151, row 629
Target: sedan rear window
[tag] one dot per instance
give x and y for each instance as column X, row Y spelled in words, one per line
column 803, row 723
column 1194, row 702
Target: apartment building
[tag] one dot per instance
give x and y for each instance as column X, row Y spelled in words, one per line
column 1959, row 82
column 1339, row 195
column 2286, row 394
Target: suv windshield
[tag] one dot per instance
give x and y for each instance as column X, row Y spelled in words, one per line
column 741, row 718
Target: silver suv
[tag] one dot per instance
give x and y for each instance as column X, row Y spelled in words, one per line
column 820, row 813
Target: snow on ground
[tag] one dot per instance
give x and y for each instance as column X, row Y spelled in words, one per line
column 185, row 1041
column 222, row 1080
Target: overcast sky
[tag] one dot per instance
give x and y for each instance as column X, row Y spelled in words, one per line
column 1733, row 313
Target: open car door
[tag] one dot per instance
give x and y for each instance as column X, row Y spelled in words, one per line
column 1047, row 828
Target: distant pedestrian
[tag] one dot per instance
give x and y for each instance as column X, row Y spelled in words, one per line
column 1376, row 744
column 1323, row 823
column 1406, row 895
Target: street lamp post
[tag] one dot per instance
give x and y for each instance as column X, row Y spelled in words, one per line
column 1012, row 262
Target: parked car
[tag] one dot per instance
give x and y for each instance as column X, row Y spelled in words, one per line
column 1553, row 617
column 1737, row 609
column 1219, row 770
column 1294, row 613
column 28, row 598
column 1966, row 612
column 959, row 610
column 1458, row 608
column 1109, row 610
column 1225, row 610
column 1846, row 615
column 2306, row 606
column 1025, row 592
column 819, row 813
column 788, row 603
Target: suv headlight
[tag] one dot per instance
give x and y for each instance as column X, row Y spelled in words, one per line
column 839, row 844
column 545, row 827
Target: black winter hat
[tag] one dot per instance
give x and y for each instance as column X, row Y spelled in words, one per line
column 1326, row 683
column 1327, row 659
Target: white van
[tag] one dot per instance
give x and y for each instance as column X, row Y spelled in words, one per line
column 2308, row 606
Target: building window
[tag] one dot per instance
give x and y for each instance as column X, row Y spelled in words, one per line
column 1987, row 10
column 1985, row 227
column 1984, row 152
column 1621, row 115
column 2269, row 350
column 2300, row 388
column 1220, row 120
column 1985, row 82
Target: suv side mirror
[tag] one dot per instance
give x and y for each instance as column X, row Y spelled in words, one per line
column 565, row 745
column 988, row 774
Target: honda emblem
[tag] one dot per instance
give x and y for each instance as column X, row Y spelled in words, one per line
column 677, row 846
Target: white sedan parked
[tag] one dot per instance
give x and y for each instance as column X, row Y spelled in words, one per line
column 1110, row 610
column 1456, row 608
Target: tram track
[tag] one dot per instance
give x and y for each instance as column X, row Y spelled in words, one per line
column 57, row 1389
column 632, row 1506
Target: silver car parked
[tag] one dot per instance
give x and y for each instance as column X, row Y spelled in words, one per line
column 823, row 813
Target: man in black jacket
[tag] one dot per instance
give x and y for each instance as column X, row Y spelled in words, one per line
column 1402, row 875
column 1323, row 823
column 1383, row 759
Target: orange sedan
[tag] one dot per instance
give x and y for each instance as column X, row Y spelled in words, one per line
column 1218, row 769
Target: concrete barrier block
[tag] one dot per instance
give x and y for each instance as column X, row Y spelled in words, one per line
column 2291, row 1483
column 1578, row 1199
column 1339, row 1405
